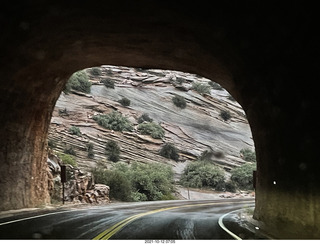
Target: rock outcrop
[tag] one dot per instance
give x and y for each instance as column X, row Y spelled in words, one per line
column 79, row 187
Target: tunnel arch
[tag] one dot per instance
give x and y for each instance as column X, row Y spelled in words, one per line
column 259, row 58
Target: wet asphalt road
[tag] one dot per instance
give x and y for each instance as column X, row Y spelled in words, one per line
column 170, row 220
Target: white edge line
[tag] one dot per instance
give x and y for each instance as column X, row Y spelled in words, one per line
column 220, row 222
column 33, row 217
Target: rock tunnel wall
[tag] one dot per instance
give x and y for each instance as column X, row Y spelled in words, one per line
column 261, row 54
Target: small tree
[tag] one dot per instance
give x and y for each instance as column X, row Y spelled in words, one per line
column 125, row 102
column 70, row 150
column 95, row 71
column 74, row 130
column 169, row 151
column 144, row 117
column 225, row 115
column 90, row 150
column 108, row 83
column 243, row 176
column 201, row 88
column 113, row 151
column 179, row 101
column 79, row 81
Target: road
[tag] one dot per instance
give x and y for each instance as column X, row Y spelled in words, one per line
column 170, row 220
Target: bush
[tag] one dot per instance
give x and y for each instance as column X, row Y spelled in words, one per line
column 138, row 182
column 74, row 130
column 215, row 85
column 90, row 150
column 152, row 129
column 52, row 144
column 248, row 155
column 68, row 159
column 144, row 117
column 243, row 176
column 200, row 174
column 179, row 101
column 70, row 150
column 113, row 151
column 155, row 181
column 201, row 88
column 95, row 71
column 225, row 115
column 63, row 112
column 80, row 82
column 125, row 102
column 119, row 183
column 114, row 121
column 108, row 83
column 169, row 151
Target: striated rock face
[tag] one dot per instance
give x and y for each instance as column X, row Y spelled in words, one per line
column 194, row 129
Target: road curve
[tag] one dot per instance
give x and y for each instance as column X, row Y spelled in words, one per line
column 171, row 220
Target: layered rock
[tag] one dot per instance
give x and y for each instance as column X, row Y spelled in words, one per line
column 192, row 130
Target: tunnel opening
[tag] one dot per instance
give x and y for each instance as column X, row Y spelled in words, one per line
column 155, row 109
column 260, row 53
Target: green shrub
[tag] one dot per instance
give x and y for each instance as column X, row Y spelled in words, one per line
column 169, row 151
column 243, row 176
column 90, row 150
column 113, row 151
column 248, row 155
column 63, row 112
column 230, row 186
column 80, row 82
column 144, row 117
column 215, row 85
column 74, row 130
column 52, row 144
column 206, row 155
column 138, row 182
column 179, row 101
column 155, row 181
column 200, row 174
column 201, row 88
column 119, row 183
column 95, row 71
column 70, row 150
column 114, row 121
column 152, row 129
column 225, row 115
column 67, row 159
column 125, row 102
column 108, row 83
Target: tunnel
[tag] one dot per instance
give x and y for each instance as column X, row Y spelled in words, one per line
column 265, row 55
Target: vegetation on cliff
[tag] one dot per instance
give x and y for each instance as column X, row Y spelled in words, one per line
column 78, row 81
column 185, row 133
column 114, row 121
column 137, row 182
column 152, row 129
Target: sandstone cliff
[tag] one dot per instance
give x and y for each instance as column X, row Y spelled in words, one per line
column 192, row 130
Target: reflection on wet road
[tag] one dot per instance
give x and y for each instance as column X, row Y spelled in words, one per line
column 145, row 220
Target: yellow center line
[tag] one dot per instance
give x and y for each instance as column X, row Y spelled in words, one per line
column 108, row 233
